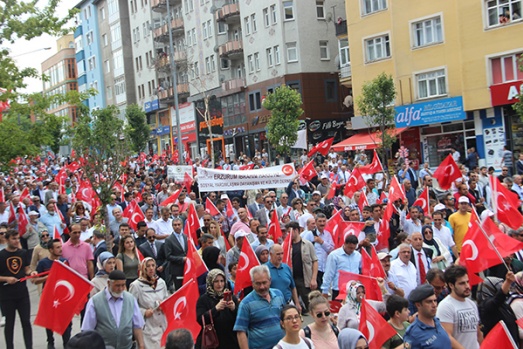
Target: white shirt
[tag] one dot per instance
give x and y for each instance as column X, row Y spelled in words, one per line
column 164, row 227
column 4, row 217
column 406, row 275
column 302, row 221
column 444, row 235
column 426, row 264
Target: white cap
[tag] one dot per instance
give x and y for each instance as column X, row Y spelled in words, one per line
column 383, row 255
column 324, row 176
column 486, row 213
column 33, row 213
column 224, row 196
column 439, row 207
column 316, row 192
column 464, row 199
column 240, row 234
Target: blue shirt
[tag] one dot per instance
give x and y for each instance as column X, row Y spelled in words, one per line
column 422, row 336
column 261, row 319
column 257, row 243
column 322, row 250
column 339, row 260
column 51, row 221
column 281, row 279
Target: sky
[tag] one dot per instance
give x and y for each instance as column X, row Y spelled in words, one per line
column 31, row 53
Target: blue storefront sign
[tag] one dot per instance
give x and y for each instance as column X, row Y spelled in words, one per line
column 151, row 106
column 433, row 112
column 160, row 131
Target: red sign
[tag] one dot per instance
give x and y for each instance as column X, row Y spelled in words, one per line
column 506, row 93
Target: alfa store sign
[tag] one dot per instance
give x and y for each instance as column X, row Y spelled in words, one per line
column 433, row 112
column 507, row 93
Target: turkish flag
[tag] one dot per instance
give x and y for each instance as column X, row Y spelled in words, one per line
column 248, row 260
column 246, row 167
column 447, row 172
column 332, row 190
column 274, row 229
column 506, row 204
column 384, row 229
column 211, row 208
column 56, row 233
column 134, row 214
column 423, row 201
column 287, row 250
column 194, row 265
column 171, row 199
column 322, row 147
column 180, row 310
column 396, row 191
column 12, row 213
column 229, row 209
column 139, row 255
column 383, row 196
column 119, row 187
column 63, row 297
column 333, row 225
column 73, row 166
column 308, row 172
column 2, row 195
column 85, row 192
column 374, row 167
column 187, row 182
column 374, row 327
column 62, row 218
column 25, row 194
column 362, row 202
column 371, row 265
column 23, row 221
column 372, row 289
column 348, row 228
column 192, row 223
column 354, row 183
column 499, row 337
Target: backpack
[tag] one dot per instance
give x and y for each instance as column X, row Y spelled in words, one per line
column 307, row 331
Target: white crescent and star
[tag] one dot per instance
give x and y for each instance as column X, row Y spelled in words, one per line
column 474, row 249
column 68, row 286
column 246, row 259
column 451, row 172
column 178, row 314
column 371, row 330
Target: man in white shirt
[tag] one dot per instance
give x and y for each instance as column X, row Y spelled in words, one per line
column 163, row 225
column 404, row 271
column 412, row 224
column 443, row 233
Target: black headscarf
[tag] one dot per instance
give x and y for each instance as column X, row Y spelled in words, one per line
column 210, row 256
column 430, row 242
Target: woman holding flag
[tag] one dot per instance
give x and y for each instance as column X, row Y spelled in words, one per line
column 349, row 315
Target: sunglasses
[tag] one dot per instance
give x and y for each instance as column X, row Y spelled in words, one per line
column 151, row 237
column 45, row 235
column 321, row 313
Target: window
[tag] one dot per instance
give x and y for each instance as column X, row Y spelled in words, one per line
column 431, row 84
column 247, row 25
column 119, row 86
column 89, row 38
column 253, row 23
column 251, row 64
column 196, row 70
column 270, row 57
column 505, row 69
column 254, row 101
column 257, row 61
column 102, row 13
column 78, row 44
column 370, row 6
column 292, row 52
column 115, row 33
column 502, row 12
column 320, row 10
column 207, row 65
column 343, row 45
column 377, row 48
column 331, row 93
column 118, row 63
column 91, row 62
column 277, row 55
column 107, row 66
column 266, row 18
column 213, row 64
column 427, row 32
column 194, row 36
column 288, row 10
column 222, row 27
column 324, row 50
column 204, row 30
column 188, row 38
column 224, row 64
column 209, row 29
column 113, row 7
column 273, row 14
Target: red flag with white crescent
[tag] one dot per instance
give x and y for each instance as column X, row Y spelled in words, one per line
column 447, row 173
column 374, row 327
column 374, row 167
column 372, row 289
column 192, row 223
column 171, row 199
column 354, row 183
column 506, row 204
column 274, row 229
column 396, row 191
column 194, row 265
column 134, row 214
column 23, row 221
column 308, row 172
column 211, row 208
column 247, row 261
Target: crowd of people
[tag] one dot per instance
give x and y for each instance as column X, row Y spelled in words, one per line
column 427, row 297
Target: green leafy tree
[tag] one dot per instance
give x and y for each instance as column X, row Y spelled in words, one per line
column 14, row 142
column 518, row 106
column 376, row 104
column 282, row 128
column 137, row 130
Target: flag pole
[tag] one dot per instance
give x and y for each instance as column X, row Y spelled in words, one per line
column 492, row 244
column 495, row 197
column 509, row 336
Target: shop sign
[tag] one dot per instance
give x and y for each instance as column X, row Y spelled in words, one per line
column 506, row 93
column 160, row 131
column 433, row 112
column 151, row 106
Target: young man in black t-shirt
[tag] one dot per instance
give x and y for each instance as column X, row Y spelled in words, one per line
column 14, row 296
column 55, row 254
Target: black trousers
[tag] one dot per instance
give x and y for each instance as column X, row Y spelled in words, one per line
column 303, row 292
column 319, row 280
column 65, row 337
column 9, row 309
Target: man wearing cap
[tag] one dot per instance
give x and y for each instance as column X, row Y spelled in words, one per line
column 403, row 270
column 391, row 283
column 459, row 221
column 426, row 331
column 442, row 232
column 233, row 255
column 115, row 315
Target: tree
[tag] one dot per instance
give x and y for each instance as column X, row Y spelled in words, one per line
column 282, row 128
column 14, row 142
column 518, row 106
column 376, row 104
column 136, row 131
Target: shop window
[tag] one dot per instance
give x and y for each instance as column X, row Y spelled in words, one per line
column 377, row 48
column 370, row 6
column 502, row 12
column 427, row 32
column 505, row 69
column 453, row 127
column 431, row 84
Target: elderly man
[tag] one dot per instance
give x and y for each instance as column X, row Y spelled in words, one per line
column 51, row 219
column 403, row 270
column 119, row 219
column 421, row 257
column 163, row 225
column 258, row 321
column 390, row 280
column 115, row 315
column 281, row 276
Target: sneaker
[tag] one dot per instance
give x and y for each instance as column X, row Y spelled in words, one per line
column 2, row 321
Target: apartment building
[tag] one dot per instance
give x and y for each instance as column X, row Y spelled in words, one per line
column 454, row 65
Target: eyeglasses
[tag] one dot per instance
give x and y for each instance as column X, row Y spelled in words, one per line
column 151, row 237
column 427, row 232
column 43, row 235
column 2, row 233
column 321, row 313
column 296, row 317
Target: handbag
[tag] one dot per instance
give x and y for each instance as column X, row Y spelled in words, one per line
column 209, row 336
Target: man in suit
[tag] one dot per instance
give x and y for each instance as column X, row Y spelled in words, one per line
column 52, row 192
column 258, row 204
column 175, row 247
column 98, row 241
column 421, row 257
column 263, row 215
column 151, row 248
column 128, row 197
column 39, row 191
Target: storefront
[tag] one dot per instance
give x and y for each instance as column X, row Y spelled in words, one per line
column 150, row 109
column 187, row 128
column 163, row 136
column 210, row 142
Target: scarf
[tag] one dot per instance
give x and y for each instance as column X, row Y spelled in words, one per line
column 430, row 242
column 352, row 296
column 43, row 244
column 102, row 261
column 144, row 278
column 211, row 276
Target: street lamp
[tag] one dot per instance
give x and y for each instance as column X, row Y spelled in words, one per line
column 33, row 51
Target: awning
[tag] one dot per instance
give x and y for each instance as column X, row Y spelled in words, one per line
column 364, row 140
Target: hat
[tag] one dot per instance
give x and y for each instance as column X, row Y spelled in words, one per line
column 324, row 176
column 33, row 213
column 316, row 192
column 421, row 292
column 86, row 339
column 439, row 207
column 463, row 199
column 240, row 234
column 317, row 209
column 383, row 255
column 224, row 196
column 486, row 213
column 117, row 275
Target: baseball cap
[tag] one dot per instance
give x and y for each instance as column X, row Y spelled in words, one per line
column 316, row 192
column 463, row 199
column 439, row 207
column 383, row 255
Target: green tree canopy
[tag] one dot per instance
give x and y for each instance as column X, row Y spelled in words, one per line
column 137, row 131
column 282, row 128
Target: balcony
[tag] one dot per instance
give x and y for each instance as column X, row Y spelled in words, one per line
column 341, row 28
column 229, row 13
column 182, row 89
column 161, row 5
column 233, row 85
column 176, row 26
column 346, row 72
column 163, row 62
column 160, row 34
column 231, row 48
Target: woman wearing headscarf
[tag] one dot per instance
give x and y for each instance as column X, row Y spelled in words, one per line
column 352, row 339
column 106, row 263
column 211, row 257
column 440, row 254
column 40, row 251
column 262, row 252
column 149, row 291
column 219, row 304
column 349, row 315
